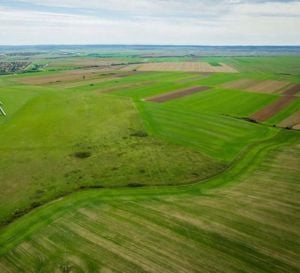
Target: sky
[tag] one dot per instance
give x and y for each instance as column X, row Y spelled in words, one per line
column 164, row 22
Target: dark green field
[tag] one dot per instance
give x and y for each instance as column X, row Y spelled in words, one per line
column 94, row 177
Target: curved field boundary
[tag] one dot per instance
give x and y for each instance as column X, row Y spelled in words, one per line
column 178, row 94
column 42, row 216
column 272, row 109
column 292, row 121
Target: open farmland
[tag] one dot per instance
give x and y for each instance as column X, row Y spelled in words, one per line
column 273, row 108
column 266, row 86
column 178, row 94
column 116, row 164
column 200, row 67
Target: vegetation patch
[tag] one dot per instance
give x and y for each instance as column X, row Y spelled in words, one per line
column 139, row 133
column 82, row 154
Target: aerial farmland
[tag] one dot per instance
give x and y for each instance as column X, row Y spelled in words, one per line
column 125, row 163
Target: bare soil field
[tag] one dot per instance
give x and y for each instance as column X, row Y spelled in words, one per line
column 183, row 66
column 68, row 76
column 89, row 62
column 292, row 121
column 267, row 86
column 178, row 94
column 272, row 108
column 293, row 90
column 239, row 84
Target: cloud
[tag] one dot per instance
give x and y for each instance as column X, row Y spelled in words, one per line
column 150, row 22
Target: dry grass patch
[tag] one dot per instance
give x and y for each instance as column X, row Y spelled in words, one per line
column 201, row 67
column 267, row 86
column 64, row 77
column 292, row 121
column 293, row 90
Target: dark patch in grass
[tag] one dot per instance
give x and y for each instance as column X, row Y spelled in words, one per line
column 250, row 120
column 72, row 173
column 214, row 64
column 285, row 74
column 135, row 185
column 82, row 154
column 139, row 134
column 85, row 187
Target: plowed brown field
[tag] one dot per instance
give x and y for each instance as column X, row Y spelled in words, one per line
column 293, row 90
column 272, row 108
column 178, row 94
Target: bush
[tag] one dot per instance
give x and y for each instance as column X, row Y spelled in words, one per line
column 83, row 154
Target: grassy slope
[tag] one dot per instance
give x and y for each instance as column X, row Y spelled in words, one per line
column 177, row 229
column 44, row 131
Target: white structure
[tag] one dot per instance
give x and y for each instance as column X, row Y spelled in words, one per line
column 1, row 109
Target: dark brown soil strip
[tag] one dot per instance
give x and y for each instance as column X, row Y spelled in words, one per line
column 292, row 90
column 272, row 108
column 177, row 94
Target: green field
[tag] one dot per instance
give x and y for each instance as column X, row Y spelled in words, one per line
column 95, row 178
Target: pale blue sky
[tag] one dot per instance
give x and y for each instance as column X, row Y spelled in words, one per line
column 196, row 22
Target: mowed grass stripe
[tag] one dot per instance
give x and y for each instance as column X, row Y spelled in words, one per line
column 211, row 134
column 226, row 102
column 146, row 241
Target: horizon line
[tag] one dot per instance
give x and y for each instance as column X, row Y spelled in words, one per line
column 175, row 45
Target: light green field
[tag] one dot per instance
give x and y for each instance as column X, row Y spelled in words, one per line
column 94, row 178
column 40, row 141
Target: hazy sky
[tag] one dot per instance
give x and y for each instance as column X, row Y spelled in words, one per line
column 201, row 22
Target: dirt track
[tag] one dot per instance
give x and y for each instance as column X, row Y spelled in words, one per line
column 177, row 94
column 272, row 108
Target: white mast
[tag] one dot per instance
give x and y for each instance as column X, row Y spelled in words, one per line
column 1, row 109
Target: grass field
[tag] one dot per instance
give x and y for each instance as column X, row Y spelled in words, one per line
column 90, row 231
column 94, row 177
